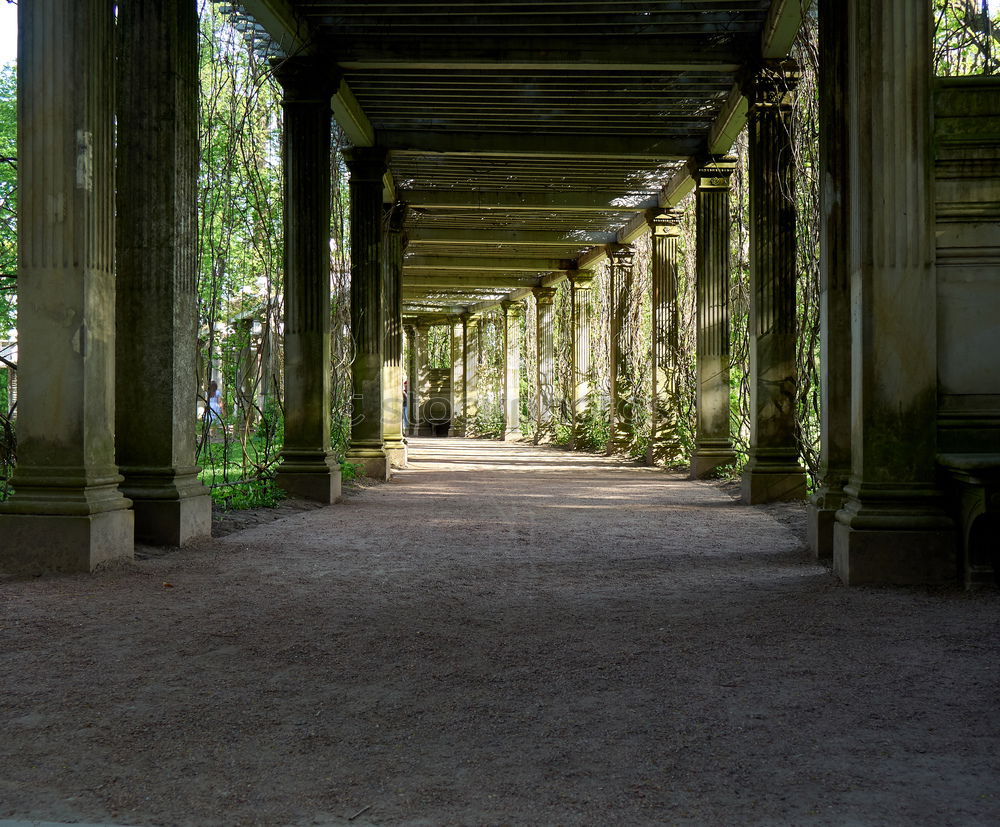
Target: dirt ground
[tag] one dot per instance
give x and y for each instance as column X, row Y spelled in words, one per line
column 500, row 635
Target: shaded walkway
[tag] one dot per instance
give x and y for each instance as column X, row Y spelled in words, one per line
column 502, row 634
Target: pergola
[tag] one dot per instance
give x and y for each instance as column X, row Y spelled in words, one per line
column 498, row 148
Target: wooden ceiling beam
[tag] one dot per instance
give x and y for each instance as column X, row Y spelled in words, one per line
column 426, row 237
column 496, row 264
column 558, row 201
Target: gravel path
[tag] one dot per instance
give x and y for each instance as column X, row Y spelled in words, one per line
column 500, row 635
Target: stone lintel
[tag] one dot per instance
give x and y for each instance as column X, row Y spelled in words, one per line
column 36, row 544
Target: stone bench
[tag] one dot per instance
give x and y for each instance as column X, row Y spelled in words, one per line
column 974, row 485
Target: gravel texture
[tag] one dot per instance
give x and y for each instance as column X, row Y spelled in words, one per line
column 500, row 635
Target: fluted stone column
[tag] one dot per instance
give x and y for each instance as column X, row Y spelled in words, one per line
column 773, row 471
column 892, row 528
column 664, row 442
column 392, row 366
column 157, row 263
column 367, row 165
column 472, row 356
column 834, row 274
column 308, row 468
column 457, row 424
column 513, row 313
column 713, row 442
column 581, row 283
column 423, row 383
column 620, row 296
column 412, row 415
column 67, row 512
column 545, row 365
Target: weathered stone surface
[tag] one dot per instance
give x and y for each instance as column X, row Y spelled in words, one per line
column 621, row 409
column 582, row 283
column 392, row 366
column 456, row 425
column 545, row 366
column 513, row 316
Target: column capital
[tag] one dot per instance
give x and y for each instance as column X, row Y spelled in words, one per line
column 512, row 308
column 366, row 163
column 395, row 217
column 713, row 171
column 581, row 279
column 470, row 318
column 306, row 79
column 772, row 84
column 621, row 255
column 545, row 295
column 664, row 222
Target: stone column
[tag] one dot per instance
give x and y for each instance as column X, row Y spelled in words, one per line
column 664, row 442
column 545, row 365
column 619, row 297
column 471, row 350
column 892, row 528
column 367, row 165
column 308, row 468
column 713, row 442
column 392, row 366
column 513, row 312
column 157, row 262
column 411, row 380
column 581, row 282
column 457, row 424
column 423, row 383
column 67, row 512
column 835, row 294
column 773, row 471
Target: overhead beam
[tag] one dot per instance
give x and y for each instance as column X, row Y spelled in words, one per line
column 782, row 25
column 513, row 296
column 485, row 281
column 548, row 144
column 565, row 201
column 282, row 23
column 540, row 238
column 518, row 53
column 497, row 264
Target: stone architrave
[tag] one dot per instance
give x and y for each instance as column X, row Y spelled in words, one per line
column 773, row 471
column 456, row 426
column 67, row 512
column 713, row 440
column 621, row 413
column 664, row 442
column 893, row 528
column 835, row 294
column 367, row 166
column 513, row 314
column 156, row 263
column 412, row 407
column 308, row 468
column 392, row 367
column 545, row 365
column 581, row 282
column 472, row 354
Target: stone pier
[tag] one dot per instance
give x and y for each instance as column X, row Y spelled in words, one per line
column 893, row 528
column 664, row 441
column 392, row 365
column 713, row 440
column 620, row 410
column 422, row 386
column 473, row 348
column 773, row 471
column 457, row 422
column 513, row 313
column 545, row 365
column 367, row 166
column 157, row 262
column 581, row 282
column 67, row 512
column 411, row 379
column 308, row 468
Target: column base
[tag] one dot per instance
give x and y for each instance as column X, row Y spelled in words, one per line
column 864, row 557
column 762, row 484
column 172, row 507
column 309, row 475
column 396, row 452
column 821, row 517
column 513, row 436
column 705, row 462
column 37, row 544
column 374, row 462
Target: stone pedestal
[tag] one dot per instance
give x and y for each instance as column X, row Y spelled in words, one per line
column 473, row 346
column 308, row 468
column 664, row 442
column 367, row 165
column 513, row 314
column 621, row 414
column 773, row 471
column 157, row 262
column 713, row 441
column 893, row 528
column 457, row 423
column 392, row 366
column 582, row 283
column 66, row 512
column 835, row 295
column 545, row 365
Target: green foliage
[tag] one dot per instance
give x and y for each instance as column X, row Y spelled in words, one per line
column 349, row 470
column 965, row 38
column 255, row 493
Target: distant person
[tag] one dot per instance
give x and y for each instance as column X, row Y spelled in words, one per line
column 215, row 406
column 406, row 422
